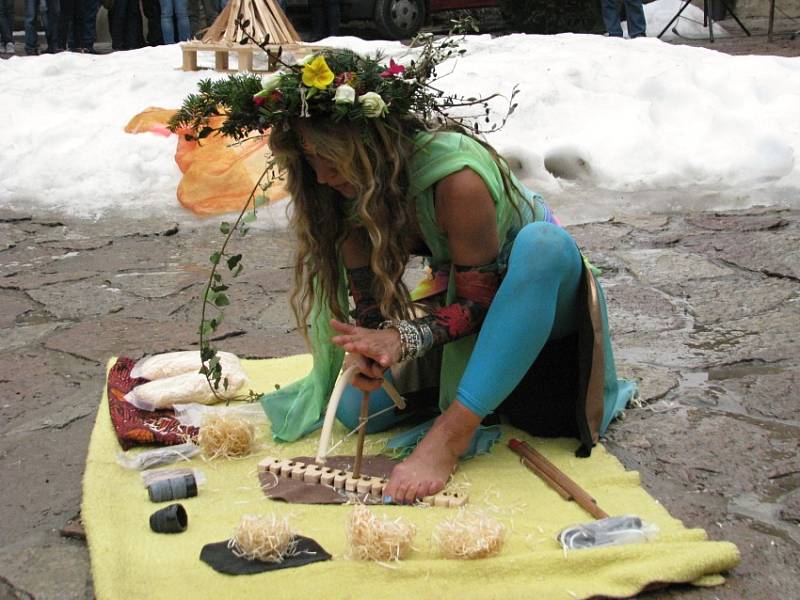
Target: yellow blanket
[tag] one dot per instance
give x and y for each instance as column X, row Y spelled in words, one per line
column 130, row 561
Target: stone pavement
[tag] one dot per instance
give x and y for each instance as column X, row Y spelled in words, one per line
column 705, row 309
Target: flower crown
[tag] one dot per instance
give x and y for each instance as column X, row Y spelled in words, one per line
column 337, row 84
column 341, row 85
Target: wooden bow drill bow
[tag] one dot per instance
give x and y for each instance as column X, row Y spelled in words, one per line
column 325, row 437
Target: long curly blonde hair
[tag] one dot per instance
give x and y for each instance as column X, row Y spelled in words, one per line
column 376, row 161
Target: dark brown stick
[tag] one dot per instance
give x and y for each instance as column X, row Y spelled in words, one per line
column 557, row 488
column 363, row 416
column 551, row 473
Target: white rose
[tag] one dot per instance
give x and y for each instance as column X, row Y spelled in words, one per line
column 344, row 94
column 372, row 105
column 271, row 83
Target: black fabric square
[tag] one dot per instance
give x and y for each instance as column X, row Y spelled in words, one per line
column 223, row 560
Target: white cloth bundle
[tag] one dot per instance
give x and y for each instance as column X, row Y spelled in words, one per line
column 174, row 379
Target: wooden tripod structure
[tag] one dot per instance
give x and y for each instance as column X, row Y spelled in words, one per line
column 263, row 20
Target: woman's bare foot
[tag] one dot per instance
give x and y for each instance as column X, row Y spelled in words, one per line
column 427, row 470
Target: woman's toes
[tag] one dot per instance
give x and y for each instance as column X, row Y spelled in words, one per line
column 411, row 494
column 430, row 488
column 401, row 493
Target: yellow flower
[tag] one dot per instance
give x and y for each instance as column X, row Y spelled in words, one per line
column 317, row 73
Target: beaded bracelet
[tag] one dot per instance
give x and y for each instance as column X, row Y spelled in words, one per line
column 415, row 340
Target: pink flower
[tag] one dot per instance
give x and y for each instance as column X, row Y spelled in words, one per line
column 259, row 100
column 394, row 69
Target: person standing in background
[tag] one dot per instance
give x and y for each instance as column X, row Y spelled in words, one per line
column 152, row 12
column 7, row 27
column 325, row 18
column 89, row 30
column 50, row 27
column 71, row 16
column 178, row 8
column 197, row 17
column 125, row 21
column 637, row 26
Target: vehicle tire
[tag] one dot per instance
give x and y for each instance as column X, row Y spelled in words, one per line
column 399, row 19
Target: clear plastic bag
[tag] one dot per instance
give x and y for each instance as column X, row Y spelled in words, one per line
column 182, row 389
column 150, row 477
column 169, row 364
column 612, row 531
column 175, row 379
column 192, row 414
column 155, row 458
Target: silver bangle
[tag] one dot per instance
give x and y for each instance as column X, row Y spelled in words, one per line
column 414, row 340
column 427, row 338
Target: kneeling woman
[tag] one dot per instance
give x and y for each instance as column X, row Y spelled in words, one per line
column 510, row 320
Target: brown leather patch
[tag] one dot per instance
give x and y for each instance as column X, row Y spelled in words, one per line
column 299, row 492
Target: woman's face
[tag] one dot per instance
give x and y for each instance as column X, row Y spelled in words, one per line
column 328, row 174
column 326, row 171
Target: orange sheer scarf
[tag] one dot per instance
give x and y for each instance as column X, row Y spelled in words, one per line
column 218, row 174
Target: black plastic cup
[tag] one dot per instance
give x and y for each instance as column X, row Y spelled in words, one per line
column 173, row 488
column 170, row 519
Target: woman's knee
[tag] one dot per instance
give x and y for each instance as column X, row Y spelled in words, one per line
column 544, row 247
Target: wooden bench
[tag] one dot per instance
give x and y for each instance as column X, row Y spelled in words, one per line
column 245, row 53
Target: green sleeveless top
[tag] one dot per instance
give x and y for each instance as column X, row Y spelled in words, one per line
column 297, row 409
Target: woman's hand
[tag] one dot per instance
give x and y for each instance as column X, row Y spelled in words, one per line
column 368, row 377
column 380, row 345
column 371, row 350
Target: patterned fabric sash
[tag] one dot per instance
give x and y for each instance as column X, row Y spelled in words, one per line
column 136, row 427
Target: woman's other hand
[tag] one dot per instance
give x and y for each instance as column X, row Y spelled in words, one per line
column 371, row 350
column 369, row 374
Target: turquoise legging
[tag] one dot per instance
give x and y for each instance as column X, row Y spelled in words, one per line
column 536, row 302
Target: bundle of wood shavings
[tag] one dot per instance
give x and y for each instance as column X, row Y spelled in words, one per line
column 469, row 535
column 378, row 538
column 226, row 436
column 267, row 538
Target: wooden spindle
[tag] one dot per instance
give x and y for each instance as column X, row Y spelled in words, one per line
column 553, row 475
column 363, row 416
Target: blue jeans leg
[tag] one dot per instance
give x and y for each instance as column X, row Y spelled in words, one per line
column 182, row 17
column 51, row 23
column 90, row 24
column 6, row 21
column 637, row 27
column 611, row 17
column 167, row 29
column 31, row 24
